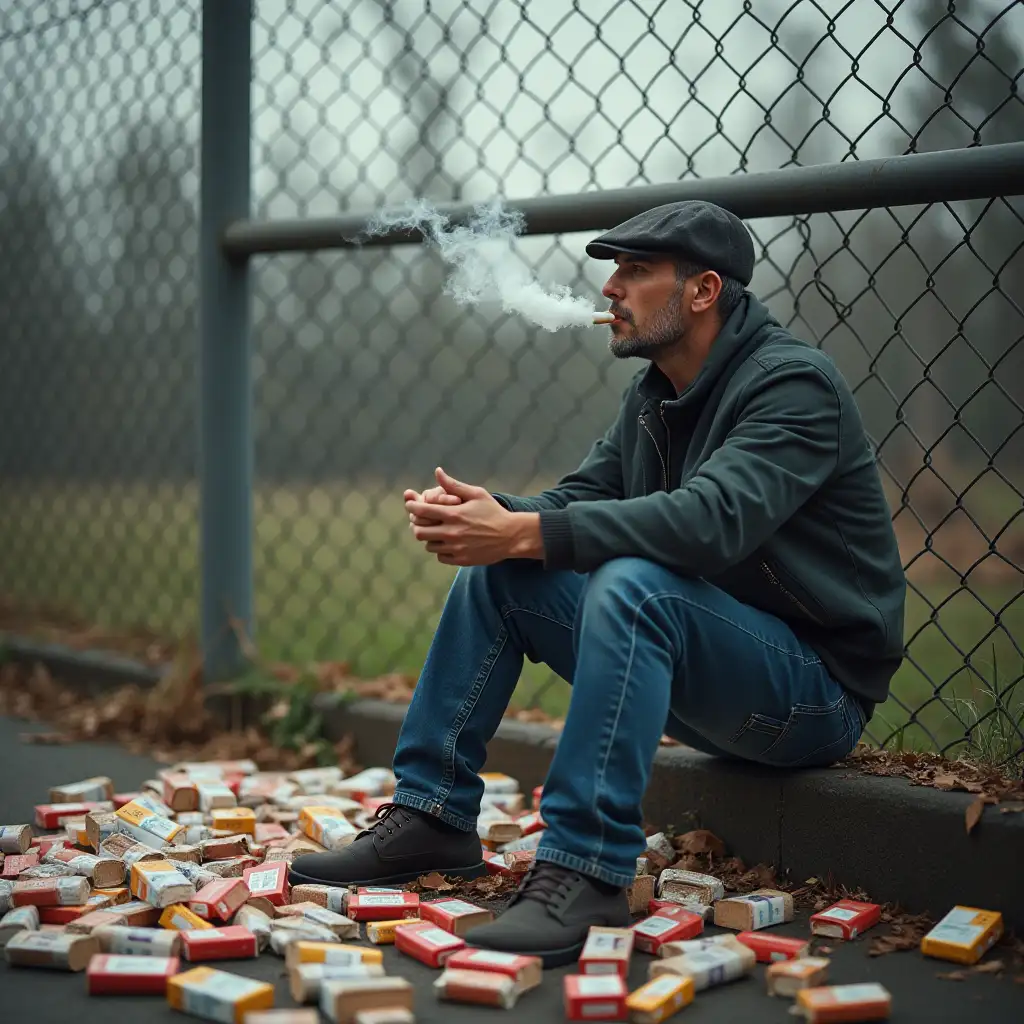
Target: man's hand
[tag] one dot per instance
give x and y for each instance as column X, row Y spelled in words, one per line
column 474, row 529
column 431, row 496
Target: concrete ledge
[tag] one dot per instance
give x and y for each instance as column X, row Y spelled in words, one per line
column 900, row 843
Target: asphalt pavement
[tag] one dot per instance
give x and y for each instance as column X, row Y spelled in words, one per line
column 41, row 996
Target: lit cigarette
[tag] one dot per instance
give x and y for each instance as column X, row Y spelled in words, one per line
column 604, row 318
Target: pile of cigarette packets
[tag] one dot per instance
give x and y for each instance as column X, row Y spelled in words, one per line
column 142, row 891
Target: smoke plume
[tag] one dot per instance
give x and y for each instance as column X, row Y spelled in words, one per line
column 484, row 265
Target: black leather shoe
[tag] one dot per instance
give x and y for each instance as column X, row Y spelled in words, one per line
column 401, row 845
column 550, row 915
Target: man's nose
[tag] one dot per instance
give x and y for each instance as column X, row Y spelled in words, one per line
column 612, row 289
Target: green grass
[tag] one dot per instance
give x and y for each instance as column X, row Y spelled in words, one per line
column 339, row 577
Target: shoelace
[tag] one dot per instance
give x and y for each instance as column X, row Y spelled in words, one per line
column 387, row 815
column 546, row 883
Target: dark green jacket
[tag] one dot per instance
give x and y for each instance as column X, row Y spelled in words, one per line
column 758, row 478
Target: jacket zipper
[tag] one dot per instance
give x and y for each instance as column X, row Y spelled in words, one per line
column 668, row 442
column 768, row 572
column 664, row 468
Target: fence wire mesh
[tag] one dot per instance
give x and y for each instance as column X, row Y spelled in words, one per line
column 368, row 375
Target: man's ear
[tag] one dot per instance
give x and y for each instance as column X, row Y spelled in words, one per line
column 707, row 288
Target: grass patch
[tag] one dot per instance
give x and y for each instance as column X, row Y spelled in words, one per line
column 339, row 577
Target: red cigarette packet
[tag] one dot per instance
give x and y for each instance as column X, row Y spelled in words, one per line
column 669, row 924
column 269, row 881
column 531, row 822
column 845, row 920
column 51, row 816
column 526, row 971
column 230, row 943
column 267, row 831
column 455, row 916
column 219, row 900
column 659, row 998
column 61, row 915
column 607, row 951
column 15, row 863
column 109, row 975
column 485, row 988
column 47, row 843
column 538, row 792
column 71, row 891
column 770, row 948
column 836, row 1004
column 594, row 997
column 428, row 943
column 382, row 906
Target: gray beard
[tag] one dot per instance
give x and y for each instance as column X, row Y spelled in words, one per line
column 665, row 331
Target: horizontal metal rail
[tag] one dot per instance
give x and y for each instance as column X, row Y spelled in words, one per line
column 978, row 172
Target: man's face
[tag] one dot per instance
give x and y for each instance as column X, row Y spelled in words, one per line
column 648, row 300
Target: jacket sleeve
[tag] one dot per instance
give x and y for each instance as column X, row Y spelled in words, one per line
column 598, row 477
column 783, row 447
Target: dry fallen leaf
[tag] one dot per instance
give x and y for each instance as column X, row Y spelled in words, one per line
column 952, row 975
column 435, row 880
column 974, row 812
column 990, row 967
column 700, row 840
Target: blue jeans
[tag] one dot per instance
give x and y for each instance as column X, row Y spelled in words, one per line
column 647, row 652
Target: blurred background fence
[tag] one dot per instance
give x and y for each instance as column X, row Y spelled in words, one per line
column 366, row 375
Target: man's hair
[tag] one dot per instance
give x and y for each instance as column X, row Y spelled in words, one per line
column 730, row 295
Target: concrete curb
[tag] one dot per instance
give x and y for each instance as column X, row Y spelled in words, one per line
column 900, row 843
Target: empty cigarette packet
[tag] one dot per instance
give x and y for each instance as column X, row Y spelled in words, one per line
column 218, row 995
column 428, row 943
column 271, row 882
column 964, row 935
column 659, row 998
column 331, row 897
column 60, row 950
column 594, row 996
column 676, row 883
column 51, row 816
column 752, row 911
column 129, row 975
column 160, row 883
column 770, row 948
column 607, row 951
column 343, row 927
column 146, row 827
column 525, row 971
column 20, row 919
column 230, row 943
column 835, row 1004
column 382, row 933
column 330, row 953
column 218, row 901
column 15, row 838
column 455, row 916
column 120, row 940
column 71, row 891
column 787, row 977
column 382, row 906
column 341, row 1000
column 709, row 962
column 670, row 924
column 306, row 980
column 178, row 917
column 484, row 988
column 98, row 788
column 846, row 919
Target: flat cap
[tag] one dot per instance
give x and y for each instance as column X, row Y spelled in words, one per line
column 693, row 229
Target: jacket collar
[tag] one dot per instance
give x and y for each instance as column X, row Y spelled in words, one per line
column 740, row 334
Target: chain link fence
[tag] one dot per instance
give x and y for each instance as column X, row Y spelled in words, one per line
column 367, row 375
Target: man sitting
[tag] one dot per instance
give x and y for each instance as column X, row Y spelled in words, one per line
column 721, row 567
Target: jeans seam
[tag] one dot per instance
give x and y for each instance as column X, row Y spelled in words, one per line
column 452, row 739
column 722, row 618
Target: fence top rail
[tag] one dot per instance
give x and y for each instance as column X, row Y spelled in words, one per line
column 976, row 172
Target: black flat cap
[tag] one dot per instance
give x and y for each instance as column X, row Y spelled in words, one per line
column 695, row 230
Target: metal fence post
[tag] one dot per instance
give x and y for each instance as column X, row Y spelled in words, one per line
column 225, row 442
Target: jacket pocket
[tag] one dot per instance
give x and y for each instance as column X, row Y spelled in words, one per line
column 797, row 596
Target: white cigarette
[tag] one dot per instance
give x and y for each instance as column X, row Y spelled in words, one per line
column 604, row 318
